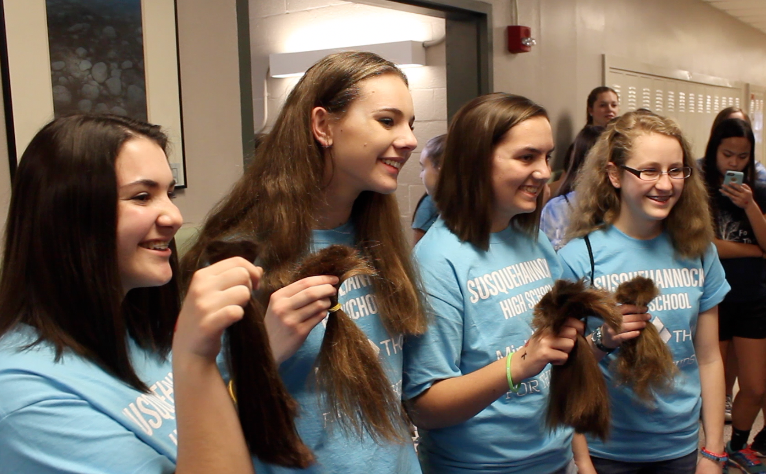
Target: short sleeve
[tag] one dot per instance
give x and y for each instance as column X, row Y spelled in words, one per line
column 425, row 214
column 716, row 285
column 572, row 261
column 68, row 435
column 435, row 355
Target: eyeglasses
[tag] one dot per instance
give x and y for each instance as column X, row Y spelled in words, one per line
column 653, row 174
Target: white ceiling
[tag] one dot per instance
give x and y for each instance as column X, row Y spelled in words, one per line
column 752, row 12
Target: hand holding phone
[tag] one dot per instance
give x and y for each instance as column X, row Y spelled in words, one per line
column 733, row 177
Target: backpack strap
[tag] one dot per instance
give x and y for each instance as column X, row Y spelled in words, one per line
column 592, row 262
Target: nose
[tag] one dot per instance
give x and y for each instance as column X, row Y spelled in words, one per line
column 664, row 182
column 406, row 140
column 542, row 171
column 170, row 216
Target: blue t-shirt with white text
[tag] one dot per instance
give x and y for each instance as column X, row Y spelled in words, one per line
column 482, row 308
column 670, row 428
column 335, row 451
column 72, row 417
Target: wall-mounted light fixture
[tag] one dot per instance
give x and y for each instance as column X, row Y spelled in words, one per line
column 401, row 53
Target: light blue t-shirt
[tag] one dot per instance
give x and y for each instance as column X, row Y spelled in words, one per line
column 73, row 417
column 336, row 452
column 669, row 429
column 482, row 304
column 425, row 214
column 554, row 218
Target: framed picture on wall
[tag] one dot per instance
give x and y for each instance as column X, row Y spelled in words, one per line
column 96, row 56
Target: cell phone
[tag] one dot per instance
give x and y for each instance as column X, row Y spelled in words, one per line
column 733, row 177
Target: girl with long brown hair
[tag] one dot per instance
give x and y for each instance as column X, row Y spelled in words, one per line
column 477, row 383
column 91, row 310
column 325, row 175
column 641, row 210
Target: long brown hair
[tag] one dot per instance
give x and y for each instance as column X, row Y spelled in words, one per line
column 60, row 272
column 274, row 202
column 598, row 201
column 464, row 193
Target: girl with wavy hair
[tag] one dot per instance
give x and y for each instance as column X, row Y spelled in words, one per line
column 90, row 303
column 641, row 210
column 324, row 175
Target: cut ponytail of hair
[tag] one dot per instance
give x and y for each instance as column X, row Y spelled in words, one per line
column 645, row 362
column 579, row 396
column 266, row 409
column 358, row 392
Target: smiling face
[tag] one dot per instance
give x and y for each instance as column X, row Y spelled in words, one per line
column 606, row 107
column 371, row 142
column 645, row 204
column 147, row 219
column 520, row 170
column 733, row 154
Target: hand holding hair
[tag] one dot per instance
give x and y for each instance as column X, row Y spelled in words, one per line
column 266, row 409
column 645, row 362
column 294, row 310
column 215, row 300
column 546, row 347
column 579, row 396
column 634, row 320
column 359, row 394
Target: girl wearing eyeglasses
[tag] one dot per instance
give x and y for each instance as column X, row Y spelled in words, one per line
column 641, row 206
column 740, row 227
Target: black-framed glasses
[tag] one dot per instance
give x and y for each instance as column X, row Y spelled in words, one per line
column 652, row 174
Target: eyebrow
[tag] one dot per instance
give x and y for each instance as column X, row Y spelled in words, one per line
column 531, row 149
column 148, row 183
column 735, row 153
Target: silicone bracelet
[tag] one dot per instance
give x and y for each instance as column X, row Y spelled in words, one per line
column 714, row 456
column 513, row 387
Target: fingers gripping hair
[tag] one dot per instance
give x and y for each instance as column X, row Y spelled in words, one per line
column 266, row 409
column 645, row 362
column 579, row 396
column 358, row 392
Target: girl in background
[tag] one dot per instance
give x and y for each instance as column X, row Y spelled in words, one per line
column 603, row 105
column 555, row 216
column 325, row 174
column 740, row 228
column 430, row 164
column 89, row 305
column 640, row 208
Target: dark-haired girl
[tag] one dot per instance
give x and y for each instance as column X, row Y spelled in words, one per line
column 89, row 308
column 603, row 105
column 740, row 226
column 325, row 175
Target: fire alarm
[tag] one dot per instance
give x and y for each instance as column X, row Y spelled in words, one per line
column 520, row 39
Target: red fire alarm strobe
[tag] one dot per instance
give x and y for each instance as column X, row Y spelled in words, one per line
column 520, row 39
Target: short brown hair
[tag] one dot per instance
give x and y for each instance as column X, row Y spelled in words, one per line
column 464, row 193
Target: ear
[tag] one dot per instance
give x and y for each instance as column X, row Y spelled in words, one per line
column 321, row 127
column 614, row 174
